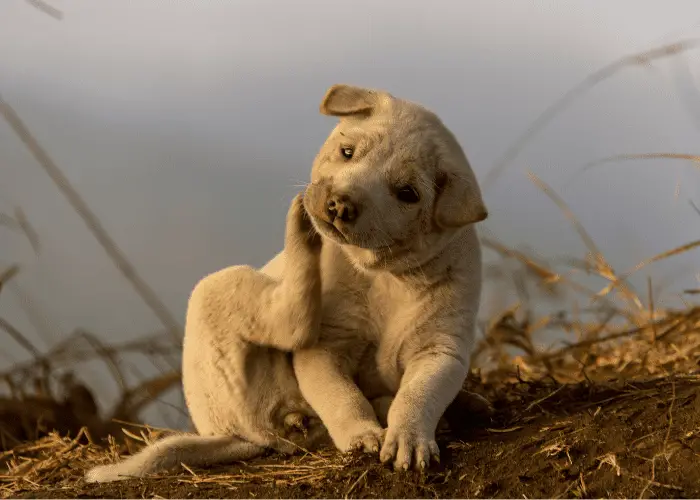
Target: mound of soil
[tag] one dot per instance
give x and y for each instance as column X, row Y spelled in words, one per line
column 617, row 439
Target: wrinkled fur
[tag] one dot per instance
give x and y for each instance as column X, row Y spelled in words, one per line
column 379, row 317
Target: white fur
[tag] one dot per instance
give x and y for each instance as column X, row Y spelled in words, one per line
column 380, row 319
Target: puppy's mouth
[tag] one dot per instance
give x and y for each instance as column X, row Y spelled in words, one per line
column 331, row 231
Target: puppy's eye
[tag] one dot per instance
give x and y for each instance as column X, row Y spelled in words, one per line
column 407, row 194
column 347, row 152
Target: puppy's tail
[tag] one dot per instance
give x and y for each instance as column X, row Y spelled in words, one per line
column 190, row 449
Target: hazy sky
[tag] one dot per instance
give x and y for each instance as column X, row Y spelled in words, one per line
column 186, row 126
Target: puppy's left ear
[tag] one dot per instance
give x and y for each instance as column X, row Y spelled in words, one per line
column 347, row 100
column 459, row 200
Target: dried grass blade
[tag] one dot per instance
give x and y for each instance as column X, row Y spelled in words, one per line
column 90, row 219
column 602, row 267
column 641, row 58
column 28, row 229
column 695, row 159
column 46, row 9
column 8, row 274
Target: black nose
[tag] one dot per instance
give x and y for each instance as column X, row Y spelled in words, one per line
column 339, row 206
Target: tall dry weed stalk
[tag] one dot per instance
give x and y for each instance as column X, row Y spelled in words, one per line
column 92, row 222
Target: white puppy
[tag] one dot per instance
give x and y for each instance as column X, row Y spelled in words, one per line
column 394, row 198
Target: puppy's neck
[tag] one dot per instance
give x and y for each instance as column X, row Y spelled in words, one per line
column 437, row 266
column 458, row 250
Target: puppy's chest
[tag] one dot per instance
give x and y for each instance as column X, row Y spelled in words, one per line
column 396, row 318
column 392, row 307
column 374, row 308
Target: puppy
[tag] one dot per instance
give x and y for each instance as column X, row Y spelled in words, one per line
column 380, row 317
column 237, row 373
column 395, row 199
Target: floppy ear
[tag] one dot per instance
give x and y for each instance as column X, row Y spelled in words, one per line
column 345, row 100
column 459, row 200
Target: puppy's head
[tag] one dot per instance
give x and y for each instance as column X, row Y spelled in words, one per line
column 391, row 184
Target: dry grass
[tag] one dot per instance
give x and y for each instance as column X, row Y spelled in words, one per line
column 43, row 394
column 653, row 443
column 62, row 461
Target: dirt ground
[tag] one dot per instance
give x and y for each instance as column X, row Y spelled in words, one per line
column 615, row 439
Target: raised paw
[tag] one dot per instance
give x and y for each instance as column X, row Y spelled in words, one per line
column 300, row 230
column 409, row 448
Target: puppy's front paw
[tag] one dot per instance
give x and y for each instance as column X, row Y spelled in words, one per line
column 409, row 446
column 300, row 230
column 369, row 441
column 367, row 438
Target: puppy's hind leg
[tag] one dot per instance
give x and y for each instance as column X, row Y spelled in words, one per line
column 170, row 452
column 282, row 312
column 290, row 311
column 296, row 301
